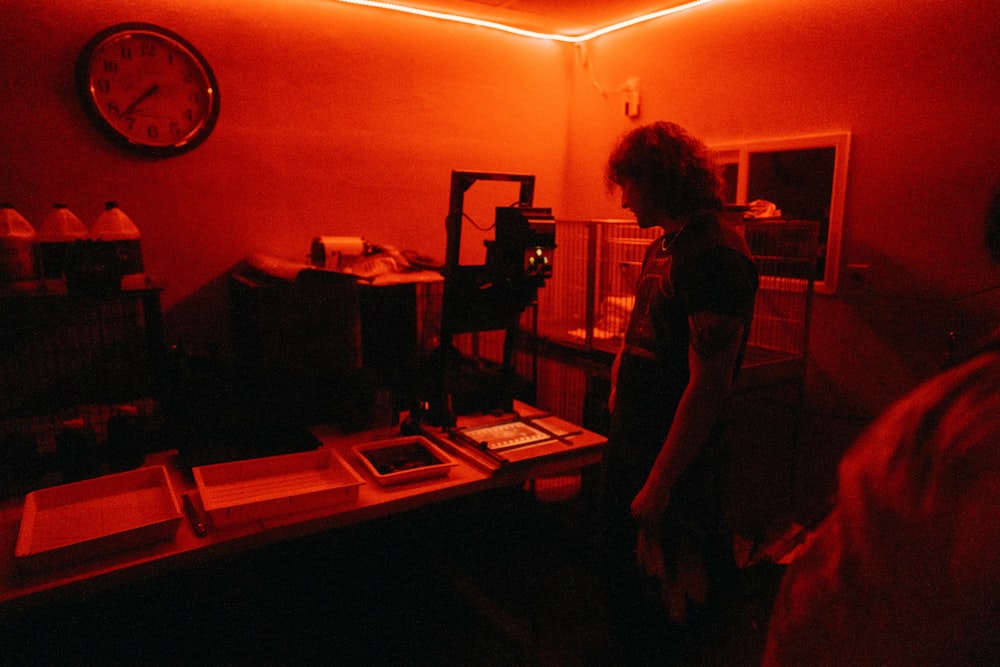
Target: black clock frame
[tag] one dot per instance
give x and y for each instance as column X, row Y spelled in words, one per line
column 82, row 84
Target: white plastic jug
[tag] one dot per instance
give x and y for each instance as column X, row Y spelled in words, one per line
column 18, row 246
column 60, row 229
column 113, row 226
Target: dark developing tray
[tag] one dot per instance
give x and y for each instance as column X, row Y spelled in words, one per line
column 401, row 460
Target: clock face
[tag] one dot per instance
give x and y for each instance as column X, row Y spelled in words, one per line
column 148, row 89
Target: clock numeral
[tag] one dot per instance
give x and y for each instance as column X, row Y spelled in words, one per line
column 114, row 110
column 110, row 66
column 152, row 131
column 102, row 85
column 126, row 52
column 129, row 122
column 175, row 130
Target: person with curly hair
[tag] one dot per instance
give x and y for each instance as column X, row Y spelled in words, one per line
column 683, row 347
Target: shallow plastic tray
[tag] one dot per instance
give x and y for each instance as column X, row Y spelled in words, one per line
column 402, row 460
column 66, row 524
column 253, row 489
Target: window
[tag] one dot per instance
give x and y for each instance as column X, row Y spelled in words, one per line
column 805, row 177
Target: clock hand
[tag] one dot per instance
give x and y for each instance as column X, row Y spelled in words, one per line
column 139, row 100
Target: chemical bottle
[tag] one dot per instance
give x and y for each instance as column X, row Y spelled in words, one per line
column 124, row 448
column 76, row 451
column 18, row 246
column 113, row 226
column 59, row 231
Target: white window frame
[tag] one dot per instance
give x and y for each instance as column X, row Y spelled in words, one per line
column 738, row 153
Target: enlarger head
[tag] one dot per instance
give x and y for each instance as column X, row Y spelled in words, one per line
column 523, row 247
column 492, row 296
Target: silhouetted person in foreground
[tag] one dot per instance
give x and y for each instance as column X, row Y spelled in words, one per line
column 906, row 568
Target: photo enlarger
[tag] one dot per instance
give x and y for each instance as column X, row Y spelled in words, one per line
column 487, row 297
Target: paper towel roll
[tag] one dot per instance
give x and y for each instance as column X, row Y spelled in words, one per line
column 336, row 252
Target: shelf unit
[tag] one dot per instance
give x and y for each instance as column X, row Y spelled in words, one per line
column 65, row 355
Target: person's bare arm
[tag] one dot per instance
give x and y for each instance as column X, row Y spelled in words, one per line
column 714, row 348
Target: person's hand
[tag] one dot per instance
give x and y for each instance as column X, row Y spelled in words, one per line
column 648, row 517
column 685, row 577
column 648, row 509
column 649, row 556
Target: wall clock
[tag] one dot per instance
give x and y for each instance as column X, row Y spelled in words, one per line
column 148, row 89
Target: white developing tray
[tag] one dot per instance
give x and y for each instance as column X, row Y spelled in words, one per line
column 66, row 524
column 242, row 491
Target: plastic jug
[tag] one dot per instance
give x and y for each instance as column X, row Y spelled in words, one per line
column 113, row 226
column 18, row 246
column 59, row 231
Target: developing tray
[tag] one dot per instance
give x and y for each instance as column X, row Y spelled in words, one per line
column 66, row 524
column 402, row 460
column 242, row 491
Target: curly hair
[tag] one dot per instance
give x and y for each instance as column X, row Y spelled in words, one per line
column 672, row 170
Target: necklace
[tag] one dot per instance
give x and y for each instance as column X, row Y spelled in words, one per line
column 666, row 245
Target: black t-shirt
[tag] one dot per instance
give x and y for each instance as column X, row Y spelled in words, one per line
column 704, row 268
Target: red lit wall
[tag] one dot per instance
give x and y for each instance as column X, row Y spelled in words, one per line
column 915, row 83
column 344, row 120
column 334, row 120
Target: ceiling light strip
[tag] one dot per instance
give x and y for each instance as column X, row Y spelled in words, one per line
column 457, row 18
column 642, row 19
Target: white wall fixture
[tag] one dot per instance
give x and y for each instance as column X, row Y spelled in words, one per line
column 630, row 97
